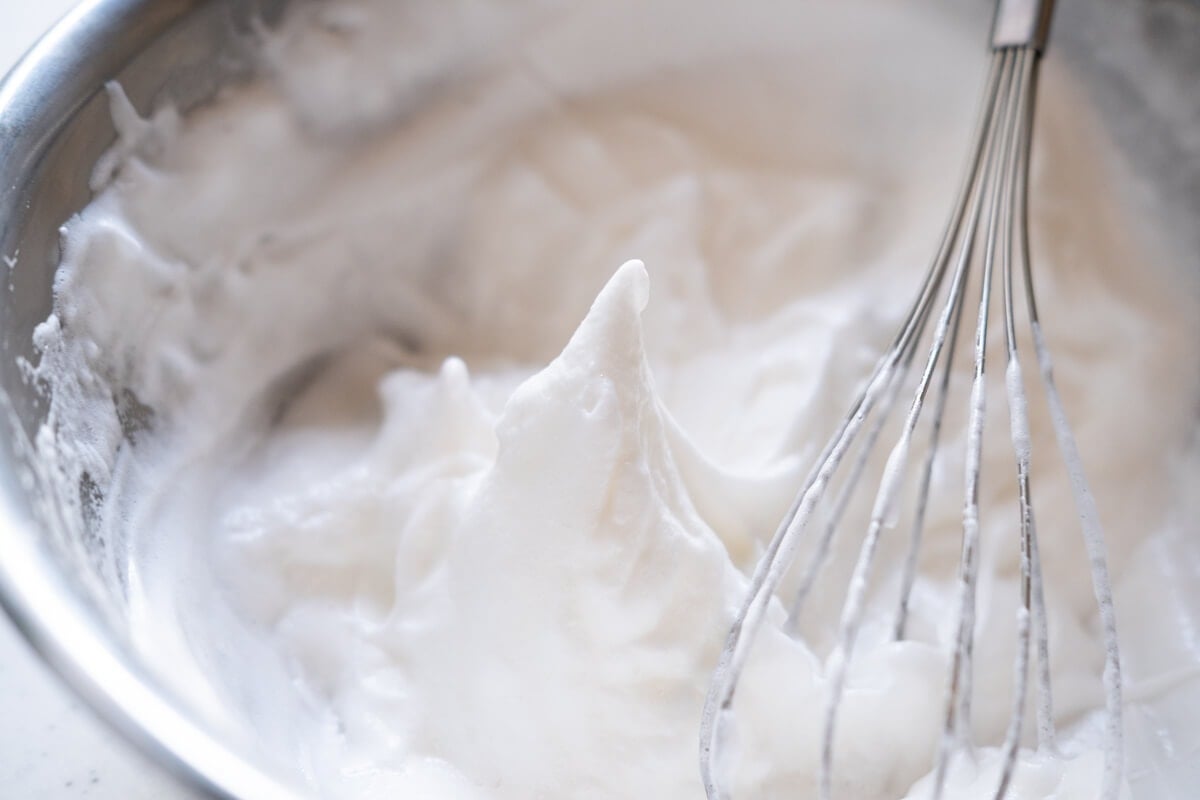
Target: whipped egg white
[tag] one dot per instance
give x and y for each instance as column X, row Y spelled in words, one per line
column 442, row 385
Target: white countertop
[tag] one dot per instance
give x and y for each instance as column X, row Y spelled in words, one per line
column 52, row 747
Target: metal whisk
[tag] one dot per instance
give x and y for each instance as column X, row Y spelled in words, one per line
column 989, row 214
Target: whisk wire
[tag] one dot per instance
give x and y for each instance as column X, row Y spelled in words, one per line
column 1046, row 738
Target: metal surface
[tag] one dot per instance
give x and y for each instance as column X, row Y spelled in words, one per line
column 53, row 125
column 1022, row 23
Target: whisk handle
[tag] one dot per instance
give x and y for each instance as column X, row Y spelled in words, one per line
column 1021, row 23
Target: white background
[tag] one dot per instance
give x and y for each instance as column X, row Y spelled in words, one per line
column 51, row 745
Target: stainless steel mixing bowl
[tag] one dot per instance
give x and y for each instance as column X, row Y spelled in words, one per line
column 54, row 124
column 1138, row 58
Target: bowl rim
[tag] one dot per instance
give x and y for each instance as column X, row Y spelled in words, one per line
column 51, row 82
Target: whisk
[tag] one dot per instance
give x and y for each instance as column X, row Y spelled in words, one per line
column 989, row 215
